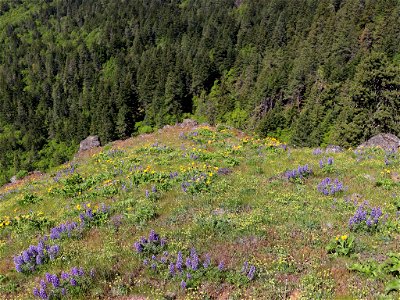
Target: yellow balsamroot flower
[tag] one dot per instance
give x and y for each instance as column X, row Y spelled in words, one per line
column 78, row 207
column 210, row 174
column 337, row 238
column 344, row 237
column 88, row 205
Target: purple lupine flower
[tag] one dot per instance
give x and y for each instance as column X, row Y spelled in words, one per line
column 36, row 292
column 18, row 262
column 194, row 259
column 92, row 273
column 188, row 263
column 53, row 251
column 145, row 262
column 43, row 284
column 74, row 271
column 138, row 246
column 82, row 218
column 72, row 281
column 163, row 242
column 183, row 284
column 154, row 189
column 43, row 294
column 89, row 213
column 171, row 269
column 26, row 256
column 147, row 194
column 64, row 275
column 154, row 266
column 221, row 265
column 63, row 291
column 153, row 236
column 251, row 273
column 184, row 186
column 188, row 276
column 55, row 281
column 153, row 257
column 179, row 262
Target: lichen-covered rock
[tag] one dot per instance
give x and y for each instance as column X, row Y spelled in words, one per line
column 189, row 123
column 89, row 143
column 386, row 141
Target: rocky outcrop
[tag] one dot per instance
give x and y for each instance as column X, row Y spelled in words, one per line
column 189, row 123
column 89, row 143
column 386, row 141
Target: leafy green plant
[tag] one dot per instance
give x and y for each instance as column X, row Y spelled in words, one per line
column 341, row 245
column 29, row 199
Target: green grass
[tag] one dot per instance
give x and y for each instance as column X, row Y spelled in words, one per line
column 250, row 214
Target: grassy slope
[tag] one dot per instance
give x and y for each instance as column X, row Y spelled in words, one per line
column 252, row 214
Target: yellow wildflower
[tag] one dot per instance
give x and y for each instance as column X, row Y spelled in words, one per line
column 344, row 237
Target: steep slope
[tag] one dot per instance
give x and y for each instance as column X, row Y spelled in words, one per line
column 204, row 213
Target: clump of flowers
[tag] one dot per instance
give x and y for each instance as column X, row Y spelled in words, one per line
column 317, row 151
column 92, row 217
column 154, row 244
column 299, row 173
column 367, row 218
column 327, row 162
column 55, row 287
column 341, row 245
column 63, row 230
column 197, row 183
column 329, row 186
column 327, row 165
column 35, row 256
column 248, row 270
column 186, row 269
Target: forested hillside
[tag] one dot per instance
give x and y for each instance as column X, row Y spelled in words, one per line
column 310, row 72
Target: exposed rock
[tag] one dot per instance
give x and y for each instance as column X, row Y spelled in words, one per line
column 13, row 179
column 89, row 143
column 386, row 141
column 333, row 149
column 170, row 296
column 395, row 177
column 189, row 123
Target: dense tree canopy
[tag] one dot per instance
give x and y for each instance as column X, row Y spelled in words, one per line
column 309, row 71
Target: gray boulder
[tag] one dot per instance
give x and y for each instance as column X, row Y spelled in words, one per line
column 189, row 123
column 386, row 141
column 89, row 143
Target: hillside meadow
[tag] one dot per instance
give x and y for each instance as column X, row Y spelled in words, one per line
column 205, row 213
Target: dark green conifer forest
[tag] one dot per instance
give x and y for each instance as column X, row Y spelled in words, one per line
column 309, row 72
